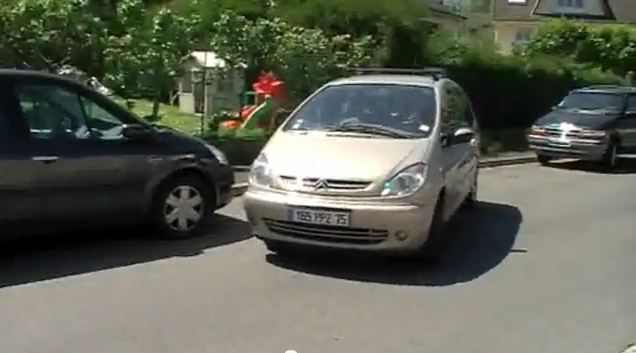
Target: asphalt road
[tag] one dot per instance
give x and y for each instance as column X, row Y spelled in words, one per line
column 546, row 264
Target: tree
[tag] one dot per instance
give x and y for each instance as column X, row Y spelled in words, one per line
column 304, row 57
column 40, row 35
column 398, row 24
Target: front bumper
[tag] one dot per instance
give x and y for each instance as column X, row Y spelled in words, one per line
column 593, row 150
column 374, row 224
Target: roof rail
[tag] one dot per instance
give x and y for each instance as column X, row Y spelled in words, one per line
column 435, row 72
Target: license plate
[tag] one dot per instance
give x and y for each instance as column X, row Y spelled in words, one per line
column 322, row 217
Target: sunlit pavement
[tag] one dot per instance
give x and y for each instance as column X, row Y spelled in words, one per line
column 546, row 264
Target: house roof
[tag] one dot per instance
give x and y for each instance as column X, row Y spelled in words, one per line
column 612, row 10
column 624, row 10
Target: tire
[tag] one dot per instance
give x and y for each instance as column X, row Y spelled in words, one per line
column 543, row 159
column 182, row 207
column 431, row 250
column 610, row 159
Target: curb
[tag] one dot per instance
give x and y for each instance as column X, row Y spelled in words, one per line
column 500, row 162
column 240, row 188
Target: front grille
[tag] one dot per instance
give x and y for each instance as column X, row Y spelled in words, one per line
column 552, row 132
column 558, row 136
column 326, row 233
column 323, row 184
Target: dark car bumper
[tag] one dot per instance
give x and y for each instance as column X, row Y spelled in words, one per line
column 593, row 150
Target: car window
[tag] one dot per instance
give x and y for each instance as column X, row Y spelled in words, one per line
column 102, row 122
column 55, row 112
column 631, row 103
column 457, row 111
column 410, row 109
column 51, row 112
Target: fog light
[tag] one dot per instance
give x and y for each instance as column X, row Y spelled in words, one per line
column 401, row 235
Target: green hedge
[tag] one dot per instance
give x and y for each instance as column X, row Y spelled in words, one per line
column 512, row 92
column 240, row 146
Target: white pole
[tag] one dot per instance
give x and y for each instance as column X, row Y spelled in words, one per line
column 205, row 91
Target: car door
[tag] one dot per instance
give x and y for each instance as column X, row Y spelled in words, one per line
column 451, row 114
column 467, row 147
column 19, row 201
column 88, row 171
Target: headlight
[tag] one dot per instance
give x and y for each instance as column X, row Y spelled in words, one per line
column 260, row 173
column 406, row 182
column 594, row 134
column 537, row 130
column 218, row 154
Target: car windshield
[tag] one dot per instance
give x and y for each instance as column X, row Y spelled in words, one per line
column 397, row 111
column 592, row 101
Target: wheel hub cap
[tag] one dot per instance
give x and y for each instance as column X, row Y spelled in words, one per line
column 183, row 208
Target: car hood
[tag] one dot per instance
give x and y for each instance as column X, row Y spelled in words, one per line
column 582, row 120
column 339, row 156
column 180, row 141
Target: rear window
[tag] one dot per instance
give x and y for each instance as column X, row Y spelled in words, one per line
column 592, row 101
column 410, row 109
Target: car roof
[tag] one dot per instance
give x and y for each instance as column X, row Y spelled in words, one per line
column 391, row 79
column 35, row 74
column 609, row 89
column 27, row 73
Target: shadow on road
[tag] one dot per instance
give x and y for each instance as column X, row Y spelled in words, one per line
column 625, row 167
column 43, row 257
column 479, row 241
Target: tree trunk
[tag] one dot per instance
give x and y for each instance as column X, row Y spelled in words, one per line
column 155, row 106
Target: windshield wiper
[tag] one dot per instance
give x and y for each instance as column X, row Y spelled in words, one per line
column 373, row 130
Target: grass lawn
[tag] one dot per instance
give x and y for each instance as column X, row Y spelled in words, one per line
column 170, row 116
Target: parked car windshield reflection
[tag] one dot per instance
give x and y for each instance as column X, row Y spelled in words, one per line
column 382, row 109
column 592, row 101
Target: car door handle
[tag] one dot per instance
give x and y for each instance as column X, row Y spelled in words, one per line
column 45, row 159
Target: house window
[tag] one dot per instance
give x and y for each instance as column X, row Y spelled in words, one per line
column 523, row 35
column 571, row 3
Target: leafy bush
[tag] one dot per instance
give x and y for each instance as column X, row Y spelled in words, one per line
column 610, row 47
column 496, row 141
column 240, row 146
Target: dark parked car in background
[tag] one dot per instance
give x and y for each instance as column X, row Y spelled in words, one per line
column 594, row 123
column 70, row 156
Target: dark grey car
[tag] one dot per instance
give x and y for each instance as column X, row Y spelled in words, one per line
column 71, row 156
column 594, row 123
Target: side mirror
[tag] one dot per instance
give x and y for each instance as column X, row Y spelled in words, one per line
column 136, row 132
column 463, row 135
